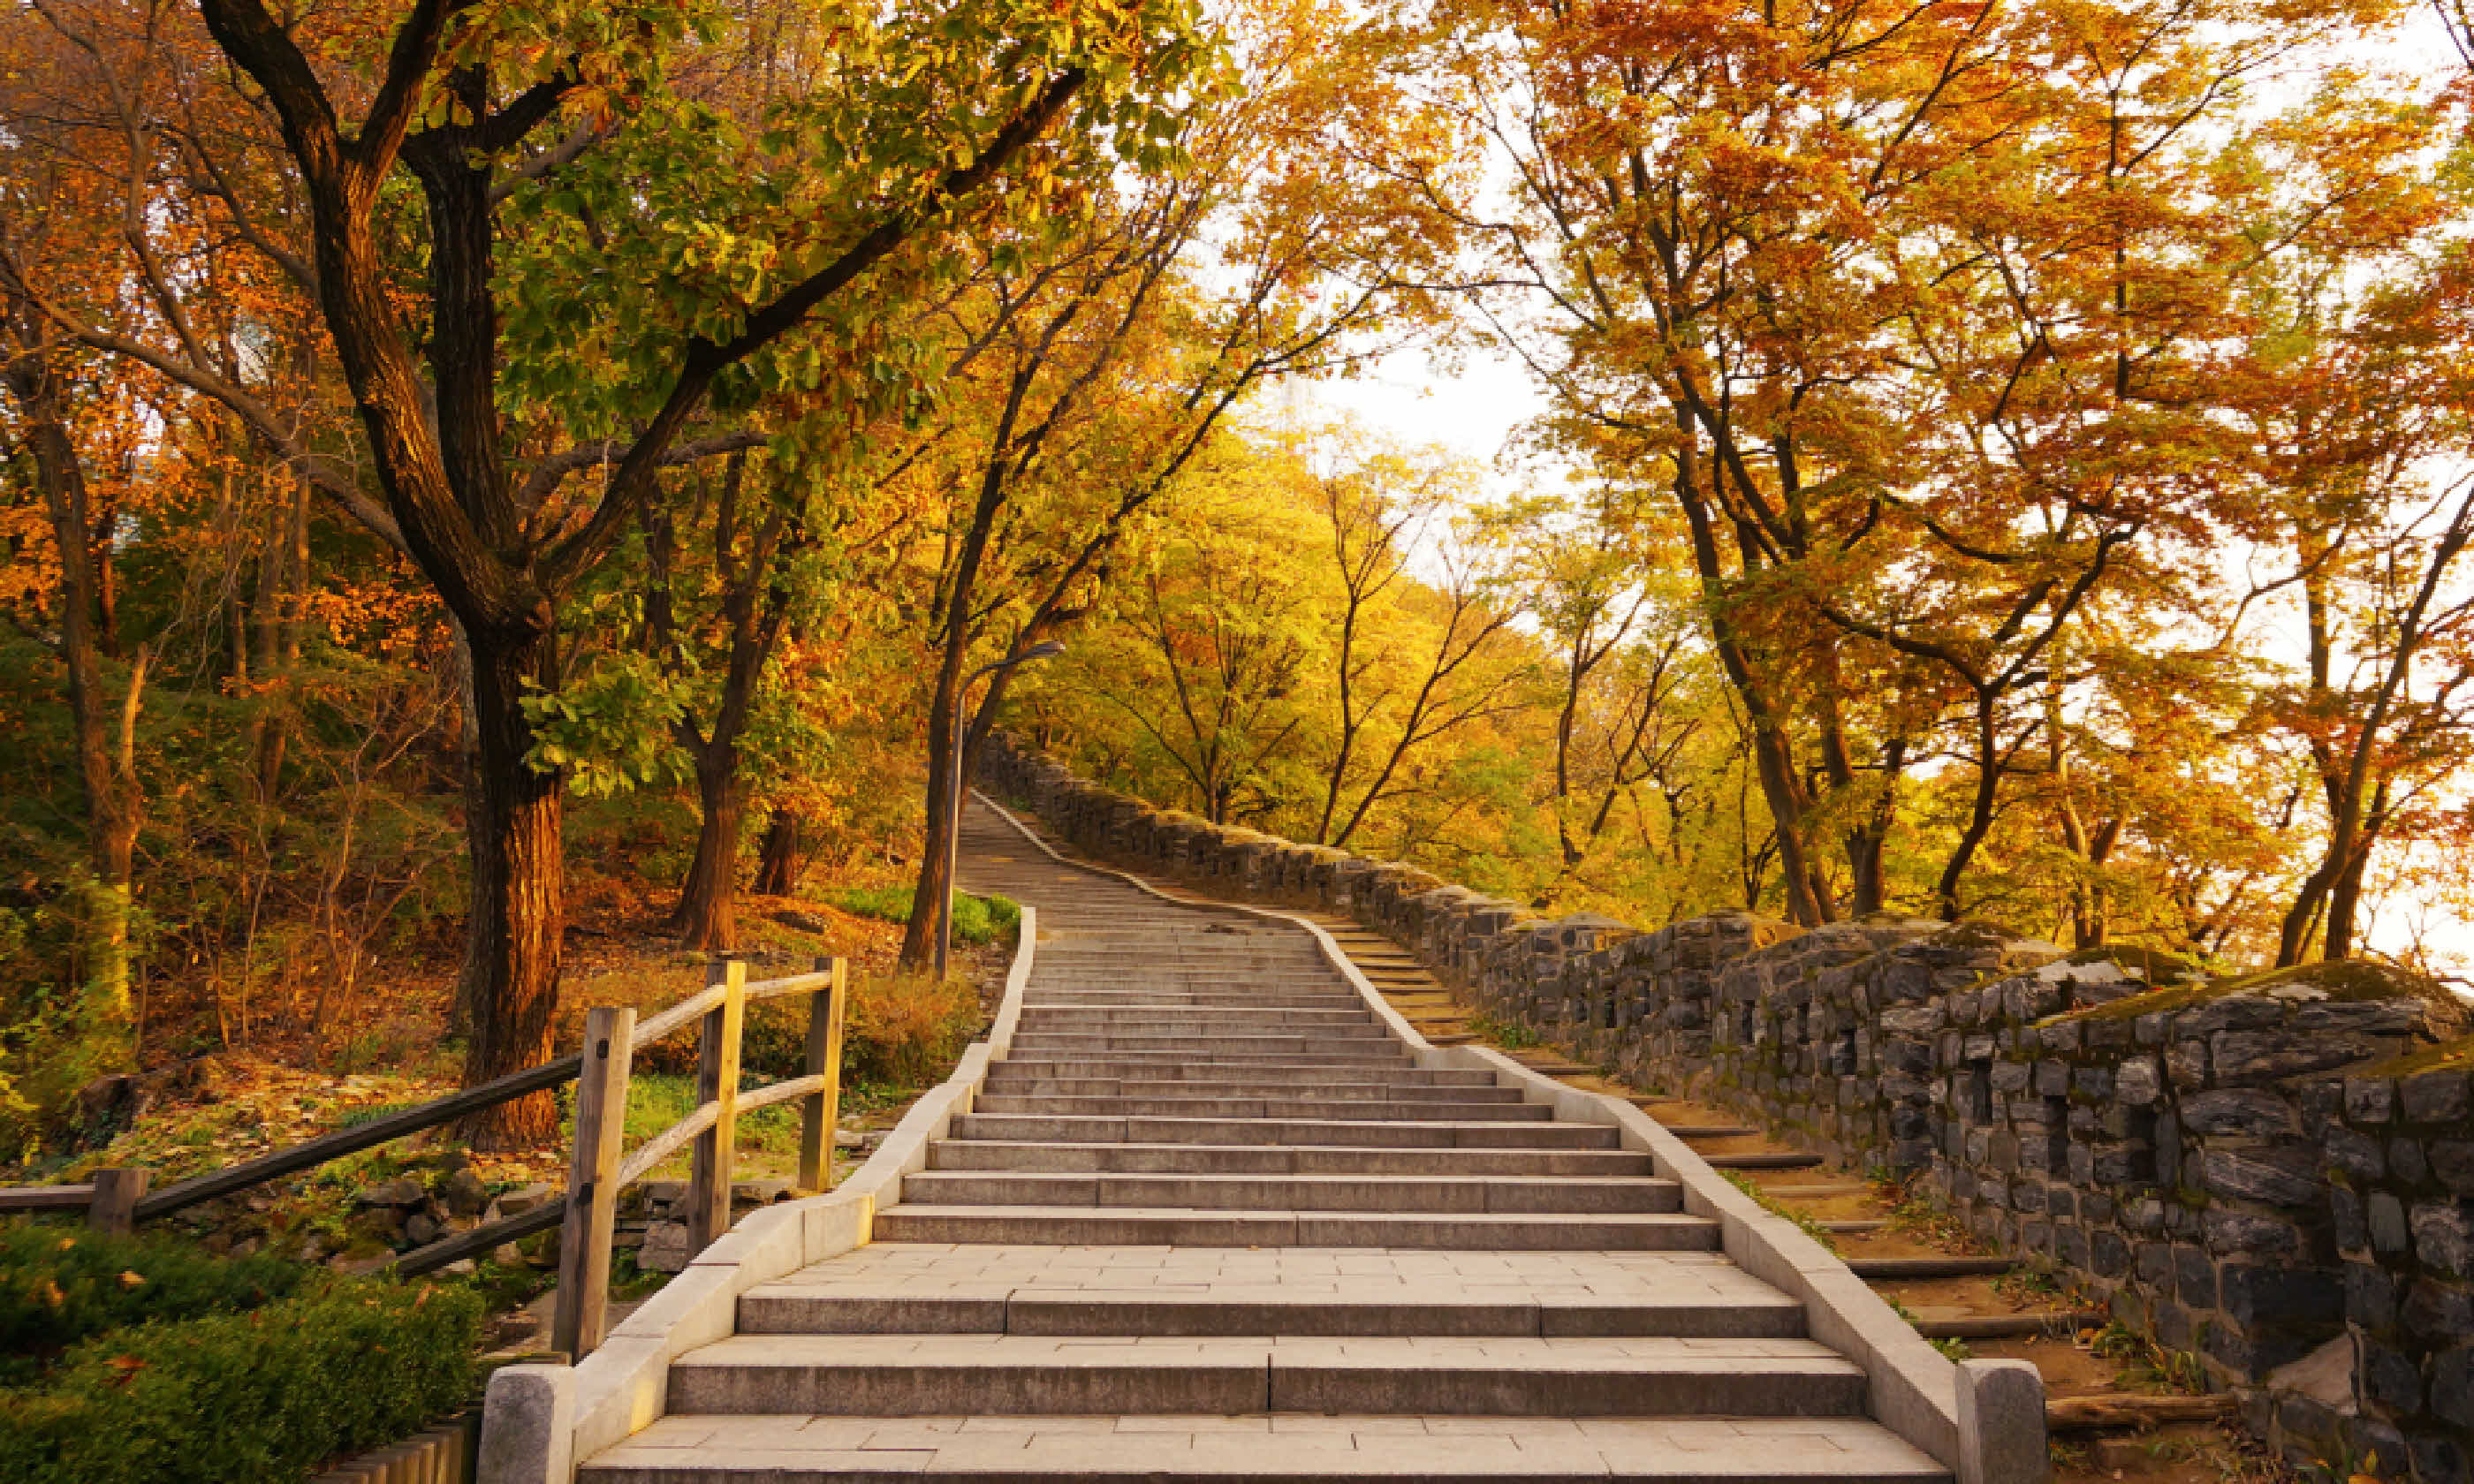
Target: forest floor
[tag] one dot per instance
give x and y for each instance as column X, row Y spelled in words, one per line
column 294, row 1078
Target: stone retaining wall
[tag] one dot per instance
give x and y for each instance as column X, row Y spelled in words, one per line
column 2212, row 1158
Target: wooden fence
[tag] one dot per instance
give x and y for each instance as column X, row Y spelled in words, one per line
column 599, row 1168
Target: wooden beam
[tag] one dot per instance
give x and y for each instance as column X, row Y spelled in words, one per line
column 2009, row 1326
column 593, row 1183
column 46, row 1197
column 480, row 1239
column 2080, row 1413
column 821, row 1115
column 716, row 1082
column 343, row 1141
column 1892, row 1269
column 668, row 1142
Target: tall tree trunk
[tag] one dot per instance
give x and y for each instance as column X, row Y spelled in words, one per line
column 928, row 896
column 1989, row 764
column 705, row 916
column 779, row 858
column 103, row 732
column 2345, row 897
column 515, row 935
column 1773, row 754
column 944, row 728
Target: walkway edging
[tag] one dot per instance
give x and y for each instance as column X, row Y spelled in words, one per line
column 1913, row 1389
column 538, row 1421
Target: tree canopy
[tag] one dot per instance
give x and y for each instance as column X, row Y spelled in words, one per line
column 2005, row 461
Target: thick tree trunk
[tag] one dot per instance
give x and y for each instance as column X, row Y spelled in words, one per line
column 515, row 934
column 780, row 858
column 706, row 915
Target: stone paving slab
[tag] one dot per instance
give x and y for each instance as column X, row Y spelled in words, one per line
column 1216, row 1449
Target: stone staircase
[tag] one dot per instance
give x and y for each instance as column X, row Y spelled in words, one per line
column 1209, row 1221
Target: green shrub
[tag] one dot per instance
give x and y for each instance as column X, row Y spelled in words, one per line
column 983, row 919
column 976, row 919
column 59, row 1285
column 259, row 1395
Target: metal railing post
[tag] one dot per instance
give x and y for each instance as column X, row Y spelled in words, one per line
column 821, row 1111
column 716, row 1081
column 592, row 1183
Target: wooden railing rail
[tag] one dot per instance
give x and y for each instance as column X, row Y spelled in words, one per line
column 117, row 1199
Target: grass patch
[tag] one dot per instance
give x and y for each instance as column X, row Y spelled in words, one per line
column 2147, row 1365
column 977, row 919
column 1510, row 1037
column 1810, row 1226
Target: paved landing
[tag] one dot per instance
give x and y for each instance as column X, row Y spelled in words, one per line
column 1210, row 1222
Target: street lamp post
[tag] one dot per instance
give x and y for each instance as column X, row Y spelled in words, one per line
column 954, row 790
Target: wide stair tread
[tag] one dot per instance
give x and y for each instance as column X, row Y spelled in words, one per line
column 900, row 1374
column 1083, row 1225
column 1260, row 1448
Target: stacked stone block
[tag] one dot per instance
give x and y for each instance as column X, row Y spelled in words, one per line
column 2400, row 1159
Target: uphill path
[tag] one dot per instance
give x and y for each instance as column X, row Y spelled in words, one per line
column 1208, row 1222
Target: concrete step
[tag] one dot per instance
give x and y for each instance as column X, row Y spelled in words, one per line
column 1019, row 1128
column 1500, row 1194
column 1341, row 1310
column 1385, row 1110
column 1199, row 1017
column 1137, row 1056
column 1069, row 1225
column 1040, row 997
column 1345, row 1088
column 1228, row 1044
column 1261, row 1449
column 1178, row 1028
column 952, row 1153
column 903, row 1375
column 1397, row 1073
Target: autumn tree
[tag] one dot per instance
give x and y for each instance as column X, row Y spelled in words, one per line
column 1398, row 692
column 710, row 254
column 1115, row 357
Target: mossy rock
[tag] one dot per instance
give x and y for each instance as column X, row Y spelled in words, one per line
column 2349, row 981
column 2160, row 969
column 2448, row 1056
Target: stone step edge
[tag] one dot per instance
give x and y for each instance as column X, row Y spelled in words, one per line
column 1026, row 1309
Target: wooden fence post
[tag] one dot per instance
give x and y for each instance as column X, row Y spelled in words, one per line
column 592, row 1183
column 716, row 1081
column 113, row 1210
column 821, row 1111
